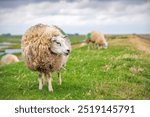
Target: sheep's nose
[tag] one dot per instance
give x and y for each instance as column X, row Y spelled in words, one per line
column 68, row 51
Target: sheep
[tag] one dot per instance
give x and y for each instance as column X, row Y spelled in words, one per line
column 9, row 58
column 46, row 50
column 97, row 39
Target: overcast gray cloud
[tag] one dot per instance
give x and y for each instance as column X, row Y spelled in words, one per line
column 81, row 16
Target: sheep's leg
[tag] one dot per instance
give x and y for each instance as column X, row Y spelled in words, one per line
column 95, row 46
column 59, row 78
column 50, row 88
column 40, row 81
column 88, row 46
column 92, row 46
column 98, row 46
column 44, row 79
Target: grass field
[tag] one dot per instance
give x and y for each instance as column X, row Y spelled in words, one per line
column 119, row 72
column 11, row 39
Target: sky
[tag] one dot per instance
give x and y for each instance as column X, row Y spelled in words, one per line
column 76, row 16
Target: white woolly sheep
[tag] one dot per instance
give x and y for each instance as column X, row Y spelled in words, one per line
column 45, row 49
column 97, row 39
column 9, row 58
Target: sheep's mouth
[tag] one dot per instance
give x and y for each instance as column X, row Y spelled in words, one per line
column 66, row 54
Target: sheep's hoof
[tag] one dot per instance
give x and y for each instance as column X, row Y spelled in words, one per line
column 50, row 89
column 59, row 82
column 40, row 87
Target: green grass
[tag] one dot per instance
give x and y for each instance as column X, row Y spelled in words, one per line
column 119, row 72
column 10, row 39
column 77, row 39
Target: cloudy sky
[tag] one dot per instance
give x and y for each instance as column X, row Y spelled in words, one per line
column 76, row 16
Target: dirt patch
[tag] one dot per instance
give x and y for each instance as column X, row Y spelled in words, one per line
column 140, row 44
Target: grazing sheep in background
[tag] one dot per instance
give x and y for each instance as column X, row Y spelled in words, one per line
column 97, row 39
column 46, row 50
column 9, row 58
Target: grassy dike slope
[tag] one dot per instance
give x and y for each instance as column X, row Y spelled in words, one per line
column 119, row 72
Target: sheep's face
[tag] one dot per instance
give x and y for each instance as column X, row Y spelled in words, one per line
column 105, row 45
column 60, row 45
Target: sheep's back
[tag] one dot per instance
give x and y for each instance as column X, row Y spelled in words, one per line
column 9, row 58
column 101, row 40
column 94, row 36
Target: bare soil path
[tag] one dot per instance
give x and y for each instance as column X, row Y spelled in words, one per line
column 141, row 44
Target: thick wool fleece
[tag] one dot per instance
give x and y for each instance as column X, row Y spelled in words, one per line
column 98, row 38
column 9, row 58
column 36, row 44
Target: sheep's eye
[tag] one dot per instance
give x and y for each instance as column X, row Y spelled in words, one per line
column 58, row 43
column 54, row 40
